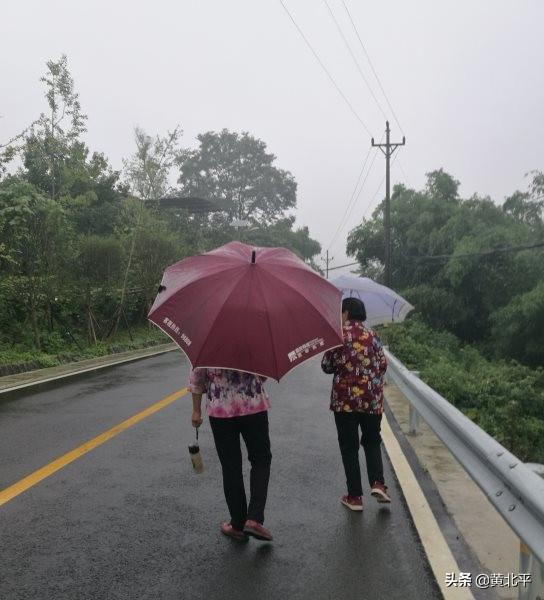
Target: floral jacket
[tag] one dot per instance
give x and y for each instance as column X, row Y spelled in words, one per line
column 358, row 367
column 229, row 393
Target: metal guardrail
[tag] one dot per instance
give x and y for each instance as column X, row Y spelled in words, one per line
column 515, row 491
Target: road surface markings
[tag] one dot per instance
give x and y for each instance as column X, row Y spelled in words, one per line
column 436, row 548
column 30, row 480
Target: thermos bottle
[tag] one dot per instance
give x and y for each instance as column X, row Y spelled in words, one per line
column 196, row 458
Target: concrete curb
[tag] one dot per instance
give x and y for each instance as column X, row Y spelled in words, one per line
column 11, row 383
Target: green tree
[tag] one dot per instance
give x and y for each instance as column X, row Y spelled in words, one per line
column 281, row 233
column 528, row 207
column 442, row 186
column 147, row 171
column 38, row 247
column 56, row 135
column 518, row 327
column 415, row 219
column 237, row 171
column 11, row 148
column 447, row 252
column 93, row 194
column 155, row 250
column 97, row 273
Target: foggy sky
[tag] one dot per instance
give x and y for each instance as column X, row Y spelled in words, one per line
column 465, row 78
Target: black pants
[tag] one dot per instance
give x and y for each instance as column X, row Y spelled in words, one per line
column 254, row 431
column 347, row 426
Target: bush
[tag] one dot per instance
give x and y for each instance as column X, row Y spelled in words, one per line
column 505, row 398
column 518, row 327
column 64, row 351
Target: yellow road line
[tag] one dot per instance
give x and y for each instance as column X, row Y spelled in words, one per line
column 436, row 548
column 30, row 480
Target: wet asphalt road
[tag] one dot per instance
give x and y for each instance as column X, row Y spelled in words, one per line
column 130, row 520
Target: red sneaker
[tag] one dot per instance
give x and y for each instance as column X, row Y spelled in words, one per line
column 257, row 531
column 352, row 502
column 228, row 530
column 379, row 491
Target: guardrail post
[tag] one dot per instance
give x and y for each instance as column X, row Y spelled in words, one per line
column 386, row 378
column 413, row 415
column 529, row 564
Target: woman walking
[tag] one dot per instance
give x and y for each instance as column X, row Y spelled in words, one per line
column 237, row 405
column 357, row 402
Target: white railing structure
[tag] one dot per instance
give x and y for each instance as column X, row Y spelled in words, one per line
column 515, row 491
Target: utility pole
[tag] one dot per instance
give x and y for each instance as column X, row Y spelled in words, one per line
column 388, row 148
column 327, row 261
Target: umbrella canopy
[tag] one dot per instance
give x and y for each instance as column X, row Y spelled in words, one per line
column 382, row 304
column 259, row 310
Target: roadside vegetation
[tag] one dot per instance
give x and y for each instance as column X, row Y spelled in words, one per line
column 83, row 246
column 16, row 360
column 502, row 396
column 474, row 270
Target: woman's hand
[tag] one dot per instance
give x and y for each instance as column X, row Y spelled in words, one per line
column 196, row 418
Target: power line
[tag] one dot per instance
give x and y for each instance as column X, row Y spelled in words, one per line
column 373, row 198
column 377, row 190
column 344, row 221
column 342, row 266
column 505, row 249
column 362, row 186
column 403, row 171
column 372, row 67
column 341, row 224
column 468, row 254
column 354, row 197
column 355, row 59
column 350, row 106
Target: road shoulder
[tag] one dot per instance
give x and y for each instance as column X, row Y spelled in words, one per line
column 18, row 381
column 487, row 537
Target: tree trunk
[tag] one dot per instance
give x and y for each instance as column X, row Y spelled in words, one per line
column 34, row 322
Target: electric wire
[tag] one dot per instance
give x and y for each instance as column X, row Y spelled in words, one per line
column 359, row 68
column 503, row 250
column 340, row 224
column 404, row 173
column 353, row 198
column 372, row 66
column 376, row 192
column 332, row 80
column 354, row 195
column 506, row 249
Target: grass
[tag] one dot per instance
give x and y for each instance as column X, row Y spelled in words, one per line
column 503, row 397
column 59, row 350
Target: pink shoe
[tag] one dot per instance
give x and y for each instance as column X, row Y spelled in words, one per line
column 379, row 491
column 257, row 531
column 228, row 530
column 352, row 502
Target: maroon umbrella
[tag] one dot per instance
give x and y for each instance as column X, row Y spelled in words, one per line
column 260, row 310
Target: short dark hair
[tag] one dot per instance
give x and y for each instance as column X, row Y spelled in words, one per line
column 355, row 308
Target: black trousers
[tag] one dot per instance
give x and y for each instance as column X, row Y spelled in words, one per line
column 254, row 431
column 347, row 426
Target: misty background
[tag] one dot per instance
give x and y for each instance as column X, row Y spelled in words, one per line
column 465, row 80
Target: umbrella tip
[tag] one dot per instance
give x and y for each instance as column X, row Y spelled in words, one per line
column 161, row 289
column 253, row 257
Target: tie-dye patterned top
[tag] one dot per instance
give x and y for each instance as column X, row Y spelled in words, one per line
column 358, row 367
column 230, row 393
